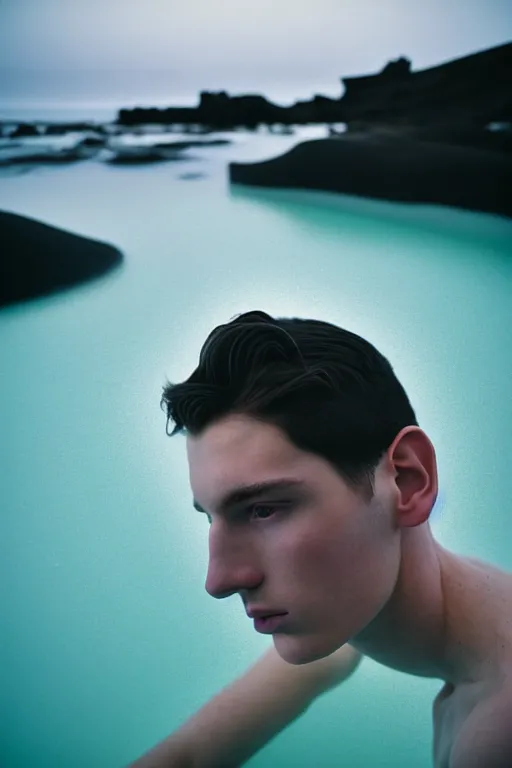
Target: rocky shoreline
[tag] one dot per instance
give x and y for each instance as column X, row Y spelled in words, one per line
column 437, row 136
column 467, row 100
column 122, row 146
column 473, row 90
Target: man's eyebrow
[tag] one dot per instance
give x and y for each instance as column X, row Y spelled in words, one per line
column 246, row 492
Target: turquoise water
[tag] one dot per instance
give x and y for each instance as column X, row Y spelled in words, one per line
column 109, row 640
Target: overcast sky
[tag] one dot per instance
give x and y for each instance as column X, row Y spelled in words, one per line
column 160, row 50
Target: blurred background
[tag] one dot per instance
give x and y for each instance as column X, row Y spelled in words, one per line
column 109, row 640
column 97, row 56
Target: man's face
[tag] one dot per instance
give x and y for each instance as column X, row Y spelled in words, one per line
column 319, row 551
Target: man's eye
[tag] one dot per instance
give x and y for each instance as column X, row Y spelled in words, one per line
column 263, row 511
column 265, row 508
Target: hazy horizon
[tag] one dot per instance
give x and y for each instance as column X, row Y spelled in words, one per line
column 118, row 53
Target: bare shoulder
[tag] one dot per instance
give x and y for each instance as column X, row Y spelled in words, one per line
column 493, row 570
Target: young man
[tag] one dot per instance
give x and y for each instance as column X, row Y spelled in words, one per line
column 306, row 458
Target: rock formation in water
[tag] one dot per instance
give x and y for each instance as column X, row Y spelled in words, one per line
column 38, row 259
column 390, row 168
column 23, row 130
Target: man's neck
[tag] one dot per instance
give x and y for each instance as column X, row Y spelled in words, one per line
column 411, row 633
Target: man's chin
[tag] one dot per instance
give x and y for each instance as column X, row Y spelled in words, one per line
column 296, row 650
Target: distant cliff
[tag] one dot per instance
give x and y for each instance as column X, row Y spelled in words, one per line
column 474, row 89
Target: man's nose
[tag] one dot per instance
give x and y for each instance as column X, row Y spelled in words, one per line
column 227, row 576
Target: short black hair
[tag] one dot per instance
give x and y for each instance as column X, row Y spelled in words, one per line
column 330, row 391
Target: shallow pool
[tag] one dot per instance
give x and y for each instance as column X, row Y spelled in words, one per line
column 109, row 639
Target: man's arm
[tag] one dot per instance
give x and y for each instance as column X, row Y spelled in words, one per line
column 236, row 723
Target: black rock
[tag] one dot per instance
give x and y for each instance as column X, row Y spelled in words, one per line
column 23, row 130
column 390, row 168
column 38, row 259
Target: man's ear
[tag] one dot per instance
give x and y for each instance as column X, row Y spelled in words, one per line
column 413, row 460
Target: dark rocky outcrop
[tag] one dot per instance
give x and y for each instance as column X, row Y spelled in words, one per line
column 475, row 89
column 157, row 152
column 191, row 143
column 471, row 90
column 38, row 259
column 60, row 129
column 24, row 130
column 390, row 168
column 219, row 111
column 25, row 154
